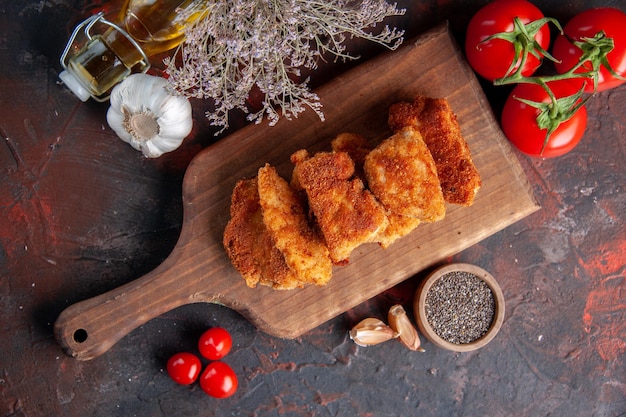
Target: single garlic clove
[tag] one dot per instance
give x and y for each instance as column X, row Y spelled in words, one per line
column 371, row 331
column 399, row 321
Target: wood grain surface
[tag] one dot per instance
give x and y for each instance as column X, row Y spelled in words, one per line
column 198, row 269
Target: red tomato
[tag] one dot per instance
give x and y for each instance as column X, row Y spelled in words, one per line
column 519, row 120
column 492, row 59
column 588, row 24
column 219, row 380
column 215, row 343
column 184, row 368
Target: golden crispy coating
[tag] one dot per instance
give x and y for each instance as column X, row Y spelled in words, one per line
column 358, row 148
column 346, row 213
column 250, row 246
column 401, row 115
column 402, row 175
column 284, row 215
column 440, row 130
column 398, row 227
column 354, row 145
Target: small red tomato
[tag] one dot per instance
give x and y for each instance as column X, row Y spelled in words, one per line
column 495, row 58
column 520, row 120
column 587, row 24
column 184, row 368
column 219, row 380
column 215, row 343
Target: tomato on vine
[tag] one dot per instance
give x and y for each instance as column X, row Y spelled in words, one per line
column 184, row 368
column 215, row 343
column 219, row 380
column 545, row 122
column 594, row 41
column 506, row 37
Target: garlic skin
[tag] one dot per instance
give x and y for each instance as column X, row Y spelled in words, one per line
column 146, row 115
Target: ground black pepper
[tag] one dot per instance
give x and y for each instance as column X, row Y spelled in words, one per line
column 460, row 307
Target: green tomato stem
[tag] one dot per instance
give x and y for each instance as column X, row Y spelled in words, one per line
column 594, row 53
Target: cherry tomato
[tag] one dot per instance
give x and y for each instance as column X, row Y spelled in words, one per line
column 519, row 120
column 184, row 368
column 219, row 380
column 587, row 24
column 215, row 343
column 491, row 59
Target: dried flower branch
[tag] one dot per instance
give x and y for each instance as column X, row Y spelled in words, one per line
column 241, row 45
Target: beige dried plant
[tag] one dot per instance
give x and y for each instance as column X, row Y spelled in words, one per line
column 241, row 45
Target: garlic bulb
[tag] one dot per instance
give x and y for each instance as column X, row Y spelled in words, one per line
column 148, row 117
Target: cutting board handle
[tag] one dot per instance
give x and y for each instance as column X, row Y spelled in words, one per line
column 89, row 328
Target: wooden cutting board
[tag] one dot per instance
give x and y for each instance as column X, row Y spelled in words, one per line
column 198, row 269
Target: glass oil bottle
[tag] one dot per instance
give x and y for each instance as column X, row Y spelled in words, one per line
column 143, row 29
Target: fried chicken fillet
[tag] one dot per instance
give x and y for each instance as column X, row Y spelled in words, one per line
column 354, row 145
column 346, row 213
column 358, row 148
column 401, row 174
column 440, row 130
column 285, row 216
column 250, row 246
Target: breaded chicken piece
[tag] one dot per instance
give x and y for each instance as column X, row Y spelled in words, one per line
column 346, row 213
column 250, row 246
column 354, row 145
column 402, row 175
column 358, row 148
column 440, row 130
column 285, row 216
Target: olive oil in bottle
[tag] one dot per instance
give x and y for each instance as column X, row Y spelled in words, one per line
column 143, row 29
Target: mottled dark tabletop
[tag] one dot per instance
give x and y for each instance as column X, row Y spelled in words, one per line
column 82, row 213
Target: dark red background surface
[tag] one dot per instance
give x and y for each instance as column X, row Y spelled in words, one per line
column 82, row 213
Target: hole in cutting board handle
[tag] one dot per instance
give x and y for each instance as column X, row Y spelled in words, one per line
column 80, row 336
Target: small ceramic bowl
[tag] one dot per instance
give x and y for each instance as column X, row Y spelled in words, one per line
column 427, row 329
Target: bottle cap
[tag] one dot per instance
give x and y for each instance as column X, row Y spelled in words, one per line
column 70, row 80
